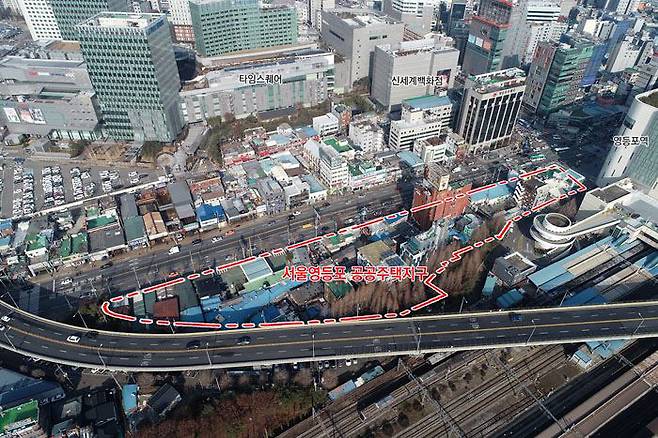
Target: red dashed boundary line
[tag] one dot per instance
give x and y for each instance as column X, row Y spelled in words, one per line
column 456, row 256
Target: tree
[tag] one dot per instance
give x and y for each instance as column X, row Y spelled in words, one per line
column 150, row 150
column 403, row 420
column 77, row 147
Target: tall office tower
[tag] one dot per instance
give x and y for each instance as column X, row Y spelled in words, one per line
column 431, row 66
column 315, row 8
column 228, row 26
column 490, row 107
column 556, row 75
column 456, row 14
column 599, row 49
column 40, row 19
column 493, row 40
column 628, row 52
column 69, row 13
column 354, row 34
column 637, row 161
column 133, row 70
column 417, row 15
column 541, row 25
column 181, row 20
column 622, row 7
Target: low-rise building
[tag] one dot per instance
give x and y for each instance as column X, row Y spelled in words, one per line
column 155, row 226
column 437, row 149
column 421, row 117
column 272, row 194
column 513, row 269
column 210, row 216
column 334, row 171
column 326, row 125
column 105, row 241
column 367, row 135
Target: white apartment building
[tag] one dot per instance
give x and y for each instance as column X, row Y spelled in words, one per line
column 326, row 125
column 315, row 8
column 367, row 135
column 439, row 149
column 421, row 117
column 334, row 171
column 40, row 19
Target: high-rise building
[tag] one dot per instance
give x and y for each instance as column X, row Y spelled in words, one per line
column 541, row 18
column 599, row 48
column 627, row 52
column 417, row 15
column 354, row 34
column 412, row 68
column 40, row 19
column 69, row 13
column 305, row 78
column 181, row 20
column 556, row 75
column 490, row 107
column 493, row 39
column 631, row 157
column 315, row 8
column 133, row 70
column 229, row 26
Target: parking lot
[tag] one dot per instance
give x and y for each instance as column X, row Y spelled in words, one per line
column 28, row 186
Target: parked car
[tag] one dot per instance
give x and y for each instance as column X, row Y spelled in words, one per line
column 196, row 242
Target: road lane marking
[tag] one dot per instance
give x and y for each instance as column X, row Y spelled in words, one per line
column 358, row 338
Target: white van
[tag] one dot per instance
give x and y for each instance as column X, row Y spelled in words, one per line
column 174, row 250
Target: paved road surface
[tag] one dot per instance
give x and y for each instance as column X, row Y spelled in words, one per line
column 123, row 351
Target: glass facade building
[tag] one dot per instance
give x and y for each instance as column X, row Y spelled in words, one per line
column 69, row 13
column 133, row 70
column 228, row 26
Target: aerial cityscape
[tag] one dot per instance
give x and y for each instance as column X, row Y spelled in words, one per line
column 328, row 218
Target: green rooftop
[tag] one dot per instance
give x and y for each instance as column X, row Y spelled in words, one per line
column 35, row 242
column 339, row 288
column 100, row 221
column 339, row 146
column 14, row 419
column 75, row 244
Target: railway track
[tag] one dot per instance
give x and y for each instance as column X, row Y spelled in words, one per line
column 346, row 421
column 468, row 409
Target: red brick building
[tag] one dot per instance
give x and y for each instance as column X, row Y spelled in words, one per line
column 436, row 186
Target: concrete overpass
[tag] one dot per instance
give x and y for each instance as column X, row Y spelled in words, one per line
column 34, row 336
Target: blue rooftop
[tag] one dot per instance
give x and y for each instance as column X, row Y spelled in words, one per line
column 495, row 193
column 309, row 131
column 207, row 211
column 129, row 396
column 428, row 101
column 410, row 158
column 509, row 299
column 556, row 273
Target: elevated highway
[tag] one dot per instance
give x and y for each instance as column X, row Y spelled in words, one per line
column 41, row 338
